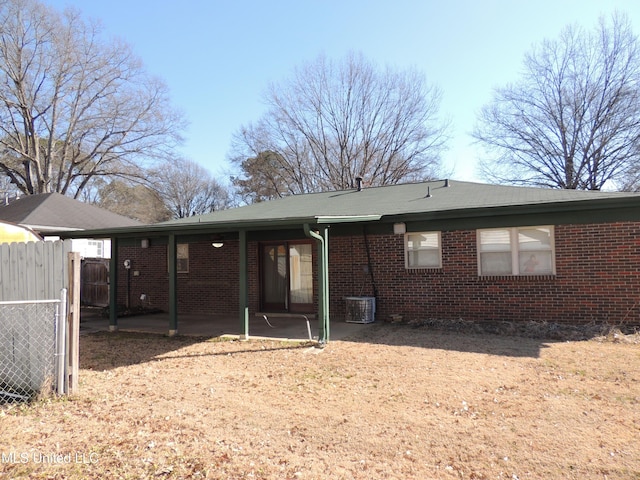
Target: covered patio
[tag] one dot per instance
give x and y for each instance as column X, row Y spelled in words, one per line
column 276, row 328
column 231, row 227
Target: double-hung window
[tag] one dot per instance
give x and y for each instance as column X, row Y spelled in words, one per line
column 422, row 250
column 516, row 251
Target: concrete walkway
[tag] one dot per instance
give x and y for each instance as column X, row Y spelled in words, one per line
column 218, row 325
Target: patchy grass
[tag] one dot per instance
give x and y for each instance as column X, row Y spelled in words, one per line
column 541, row 330
column 395, row 402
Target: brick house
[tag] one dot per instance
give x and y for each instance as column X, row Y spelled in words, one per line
column 432, row 250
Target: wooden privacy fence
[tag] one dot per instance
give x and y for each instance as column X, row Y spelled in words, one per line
column 38, row 271
column 95, row 282
column 33, row 270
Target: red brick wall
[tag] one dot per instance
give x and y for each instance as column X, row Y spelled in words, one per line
column 150, row 264
column 597, row 278
column 211, row 286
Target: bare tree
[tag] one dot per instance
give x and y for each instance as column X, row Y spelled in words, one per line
column 130, row 199
column 334, row 121
column 573, row 120
column 73, row 106
column 188, row 189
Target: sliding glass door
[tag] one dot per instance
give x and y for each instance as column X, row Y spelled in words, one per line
column 287, row 277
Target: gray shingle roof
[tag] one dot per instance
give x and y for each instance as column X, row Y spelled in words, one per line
column 458, row 202
column 55, row 212
column 405, row 199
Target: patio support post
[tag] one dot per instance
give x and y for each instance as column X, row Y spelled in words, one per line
column 173, row 286
column 113, row 286
column 244, row 286
column 325, row 279
column 322, row 238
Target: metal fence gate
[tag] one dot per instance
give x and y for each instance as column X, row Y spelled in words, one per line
column 33, row 346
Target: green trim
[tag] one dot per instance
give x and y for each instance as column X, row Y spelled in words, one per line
column 376, row 228
column 163, row 229
column 173, row 284
column 561, row 214
column 322, row 240
column 113, row 285
column 333, row 219
column 244, row 285
column 276, row 235
column 188, row 230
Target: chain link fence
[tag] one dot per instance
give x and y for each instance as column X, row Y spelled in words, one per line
column 32, row 348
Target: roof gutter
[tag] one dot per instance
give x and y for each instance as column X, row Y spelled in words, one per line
column 347, row 218
column 323, row 281
column 323, row 263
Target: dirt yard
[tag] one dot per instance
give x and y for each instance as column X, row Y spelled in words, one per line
column 396, row 403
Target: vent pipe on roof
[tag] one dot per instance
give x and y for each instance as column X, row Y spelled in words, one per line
column 446, row 182
column 359, row 183
column 428, row 192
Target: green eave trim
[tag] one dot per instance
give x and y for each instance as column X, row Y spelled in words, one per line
column 194, row 228
column 603, row 211
column 179, row 228
column 332, row 219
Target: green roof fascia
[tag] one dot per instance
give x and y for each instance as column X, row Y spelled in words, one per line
column 193, row 228
column 332, row 219
column 160, row 229
column 551, row 213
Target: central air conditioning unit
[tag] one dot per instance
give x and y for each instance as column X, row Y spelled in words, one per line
column 361, row 309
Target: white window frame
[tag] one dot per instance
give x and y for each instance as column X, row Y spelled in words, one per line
column 515, row 250
column 97, row 246
column 407, row 250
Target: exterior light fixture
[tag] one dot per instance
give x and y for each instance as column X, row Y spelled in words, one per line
column 217, row 241
column 399, row 228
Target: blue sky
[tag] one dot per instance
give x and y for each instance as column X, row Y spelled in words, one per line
column 217, row 57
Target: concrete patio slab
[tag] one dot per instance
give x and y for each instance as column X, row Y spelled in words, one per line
column 280, row 328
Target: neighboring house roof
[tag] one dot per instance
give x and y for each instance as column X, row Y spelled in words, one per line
column 442, row 203
column 53, row 212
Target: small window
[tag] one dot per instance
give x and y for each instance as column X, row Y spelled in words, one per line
column 182, row 258
column 422, row 250
column 94, row 249
column 182, row 261
column 516, row 251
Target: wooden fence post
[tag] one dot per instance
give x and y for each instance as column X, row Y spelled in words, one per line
column 74, row 320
